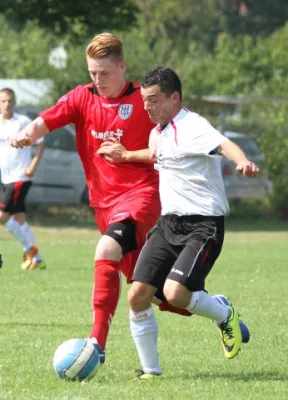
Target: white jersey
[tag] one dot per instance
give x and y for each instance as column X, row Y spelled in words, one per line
column 13, row 162
column 191, row 181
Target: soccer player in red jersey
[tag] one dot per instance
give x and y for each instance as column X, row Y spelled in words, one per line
column 112, row 134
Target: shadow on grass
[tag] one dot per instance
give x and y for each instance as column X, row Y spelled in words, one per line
column 245, row 376
column 41, row 325
column 62, row 216
column 234, row 224
column 260, row 376
column 254, row 215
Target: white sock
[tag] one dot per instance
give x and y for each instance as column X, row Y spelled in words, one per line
column 28, row 232
column 14, row 227
column 207, row 306
column 144, row 330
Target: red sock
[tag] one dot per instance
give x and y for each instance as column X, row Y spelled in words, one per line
column 106, row 293
column 165, row 306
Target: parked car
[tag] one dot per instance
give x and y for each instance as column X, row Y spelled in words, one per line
column 59, row 178
column 238, row 186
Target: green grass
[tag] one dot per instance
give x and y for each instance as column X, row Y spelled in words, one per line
column 41, row 309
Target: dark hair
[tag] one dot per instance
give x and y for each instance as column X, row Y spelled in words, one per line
column 8, row 91
column 168, row 81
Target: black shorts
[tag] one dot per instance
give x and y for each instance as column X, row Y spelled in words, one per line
column 183, row 249
column 13, row 197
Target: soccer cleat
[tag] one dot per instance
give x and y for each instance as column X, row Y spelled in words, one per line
column 98, row 348
column 145, row 376
column 28, row 257
column 40, row 264
column 231, row 335
column 243, row 327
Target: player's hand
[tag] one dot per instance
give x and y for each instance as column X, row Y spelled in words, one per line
column 113, row 151
column 29, row 172
column 21, row 140
column 248, row 168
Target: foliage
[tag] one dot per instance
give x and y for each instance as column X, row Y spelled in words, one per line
column 78, row 19
column 24, row 55
column 179, row 23
column 274, row 144
column 182, row 22
column 252, row 17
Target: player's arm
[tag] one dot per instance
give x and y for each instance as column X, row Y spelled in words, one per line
column 234, row 153
column 114, row 152
column 30, row 171
column 29, row 135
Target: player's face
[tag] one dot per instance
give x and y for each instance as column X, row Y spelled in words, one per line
column 159, row 105
column 107, row 75
column 7, row 103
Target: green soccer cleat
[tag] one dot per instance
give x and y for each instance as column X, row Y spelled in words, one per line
column 145, row 376
column 231, row 335
column 243, row 327
column 40, row 264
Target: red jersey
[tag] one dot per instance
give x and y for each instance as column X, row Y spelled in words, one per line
column 97, row 119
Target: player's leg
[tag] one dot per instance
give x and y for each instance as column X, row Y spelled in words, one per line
column 7, row 208
column 184, row 286
column 149, row 276
column 145, row 224
column 32, row 258
column 117, row 240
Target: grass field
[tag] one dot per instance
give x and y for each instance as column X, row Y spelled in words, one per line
column 41, row 309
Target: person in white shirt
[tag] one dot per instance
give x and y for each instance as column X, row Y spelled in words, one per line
column 17, row 169
column 188, row 237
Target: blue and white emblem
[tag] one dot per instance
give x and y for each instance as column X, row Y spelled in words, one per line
column 125, row 110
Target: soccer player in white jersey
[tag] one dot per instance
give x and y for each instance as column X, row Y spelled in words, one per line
column 17, row 170
column 188, row 236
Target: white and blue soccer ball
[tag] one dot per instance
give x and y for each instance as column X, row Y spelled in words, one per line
column 76, row 360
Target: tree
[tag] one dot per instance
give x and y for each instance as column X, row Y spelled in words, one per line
column 79, row 19
column 252, row 17
column 179, row 22
column 182, row 22
column 26, row 55
column 274, row 144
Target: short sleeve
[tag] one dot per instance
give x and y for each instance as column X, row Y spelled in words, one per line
column 204, row 138
column 40, row 140
column 64, row 112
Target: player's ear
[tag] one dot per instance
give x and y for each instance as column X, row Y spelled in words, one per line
column 176, row 97
column 123, row 66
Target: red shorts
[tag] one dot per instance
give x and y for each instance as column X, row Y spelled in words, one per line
column 144, row 209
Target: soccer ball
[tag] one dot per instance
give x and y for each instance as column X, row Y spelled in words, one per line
column 76, row 360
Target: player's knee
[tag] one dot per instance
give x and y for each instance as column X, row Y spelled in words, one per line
column 4, row 217
column 176, row 294
column 140, row 296
column 108, row 249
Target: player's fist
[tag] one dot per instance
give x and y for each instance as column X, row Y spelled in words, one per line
column 21, row 140
column 248, row 168
column 113, row 151
column 29, row 172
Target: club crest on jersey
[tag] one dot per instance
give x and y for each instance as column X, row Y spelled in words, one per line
column 125, row 110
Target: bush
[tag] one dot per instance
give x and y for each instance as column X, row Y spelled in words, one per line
column 273, row 141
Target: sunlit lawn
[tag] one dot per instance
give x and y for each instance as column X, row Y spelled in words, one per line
column 41, row 309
